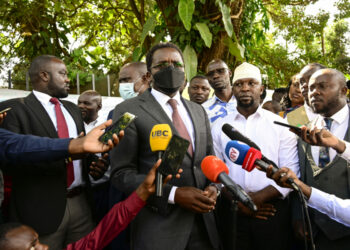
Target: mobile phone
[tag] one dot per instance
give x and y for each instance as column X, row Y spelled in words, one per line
column 5, row 110
column 123, row 122
column 289, row 126
column 173, row 155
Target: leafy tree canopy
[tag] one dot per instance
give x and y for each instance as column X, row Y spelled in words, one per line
column 102, row 35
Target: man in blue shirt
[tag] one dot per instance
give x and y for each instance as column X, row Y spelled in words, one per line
column 223, row 102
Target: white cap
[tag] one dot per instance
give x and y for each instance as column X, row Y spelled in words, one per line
column 246, row 70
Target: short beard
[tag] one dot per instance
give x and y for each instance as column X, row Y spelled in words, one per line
column 245, row 105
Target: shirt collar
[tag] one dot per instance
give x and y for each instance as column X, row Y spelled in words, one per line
column 218, row 100
column 341, row 115
column 163, row 99
column 42, row 97
column 93, row 123
column 258, row 113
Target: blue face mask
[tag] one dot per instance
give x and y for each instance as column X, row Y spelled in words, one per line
column 126, row 90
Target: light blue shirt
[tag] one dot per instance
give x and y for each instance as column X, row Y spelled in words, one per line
column 217, row 108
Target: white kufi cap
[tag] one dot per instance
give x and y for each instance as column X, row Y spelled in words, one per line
column 246, row 70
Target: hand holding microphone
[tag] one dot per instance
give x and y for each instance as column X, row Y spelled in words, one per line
column 159, row 140
column 216, row 171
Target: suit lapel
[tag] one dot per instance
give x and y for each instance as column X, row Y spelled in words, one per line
column 150, row 105
column 40, row 113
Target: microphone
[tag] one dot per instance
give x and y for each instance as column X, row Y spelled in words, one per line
column 216, row 171
column 234, row 134
column 249, row 157
column 159, row 140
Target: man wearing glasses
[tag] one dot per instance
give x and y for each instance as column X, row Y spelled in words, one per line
column 182, row 218
column 223, row 102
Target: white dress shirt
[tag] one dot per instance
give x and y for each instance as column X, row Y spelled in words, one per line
column 336, row 208
column 163, row 99
column 44, row 99
column 277, row 143
column 88, row 128
column 338, row 128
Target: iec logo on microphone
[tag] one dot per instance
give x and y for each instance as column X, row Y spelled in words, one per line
column 233, row 154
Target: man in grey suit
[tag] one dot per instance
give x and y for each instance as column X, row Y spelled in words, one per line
column 182, row 218
column 321, row 167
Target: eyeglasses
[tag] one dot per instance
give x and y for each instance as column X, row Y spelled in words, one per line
column 167, row 64
column 220, row 71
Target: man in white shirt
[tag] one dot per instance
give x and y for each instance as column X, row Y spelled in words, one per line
column 223, row 102
column 321, row 167
column 50, row 197
column 182, row 218
column 276, row 143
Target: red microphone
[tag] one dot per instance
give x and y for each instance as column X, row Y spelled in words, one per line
column 216, row 171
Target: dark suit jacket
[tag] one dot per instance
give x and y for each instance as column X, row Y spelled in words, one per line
column 160, row 225
column 334, row 179
column 38, row 197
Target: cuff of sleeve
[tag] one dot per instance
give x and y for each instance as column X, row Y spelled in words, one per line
column 346, row 153
column 171, row 198
column 316, row 199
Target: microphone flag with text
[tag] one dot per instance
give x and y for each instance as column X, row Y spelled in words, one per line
column 217, row 171
column 159, row 140
column 249, row 157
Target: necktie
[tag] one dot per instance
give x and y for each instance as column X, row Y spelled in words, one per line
column 324, row 151
column 180, row 125
column 62, row 131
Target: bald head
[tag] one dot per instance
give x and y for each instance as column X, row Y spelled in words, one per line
column 139, row 68
column 327, row 91
column 39, row 64
column 134, row 73
column 89, row 103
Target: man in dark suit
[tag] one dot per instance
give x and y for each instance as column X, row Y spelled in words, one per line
column 49, row 197
column 321, row 167
column 182, row 218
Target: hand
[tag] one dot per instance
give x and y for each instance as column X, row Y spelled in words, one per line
column 283, row 174
column 148, row 186
column 99, row 167
column 265, row 211
column 194, row 199
column 91, row 144
column 211, row 192
column 299, row 230
column 321, row 137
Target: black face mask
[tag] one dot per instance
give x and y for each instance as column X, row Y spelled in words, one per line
column 168, row 80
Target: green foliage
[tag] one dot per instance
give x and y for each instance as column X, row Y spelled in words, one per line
column 205, row 33
column 226, row 17
column 186, row 9
column 98, row 36
column 190, row 59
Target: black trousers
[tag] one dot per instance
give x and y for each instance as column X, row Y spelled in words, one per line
column 272, row 234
